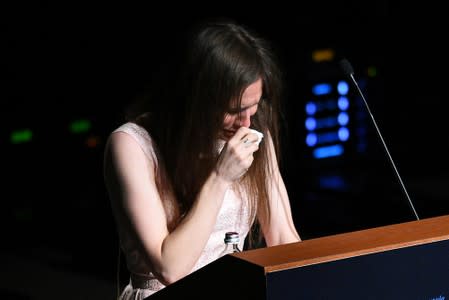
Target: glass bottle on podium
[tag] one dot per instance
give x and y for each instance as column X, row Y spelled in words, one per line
column 232, row 240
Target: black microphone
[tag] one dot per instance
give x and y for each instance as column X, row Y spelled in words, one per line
column 345, row 65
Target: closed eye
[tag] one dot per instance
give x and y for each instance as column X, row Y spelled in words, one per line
column 234, row 111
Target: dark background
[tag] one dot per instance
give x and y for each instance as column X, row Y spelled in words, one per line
column 64, row 62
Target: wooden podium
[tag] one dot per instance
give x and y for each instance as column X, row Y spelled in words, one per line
column 402, row 261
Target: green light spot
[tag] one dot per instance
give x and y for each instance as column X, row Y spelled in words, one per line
column 80, row 126
column 372, row 71
column 21, row 136
column 23, row 214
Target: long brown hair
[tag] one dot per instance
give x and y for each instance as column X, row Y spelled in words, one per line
column 185, row 115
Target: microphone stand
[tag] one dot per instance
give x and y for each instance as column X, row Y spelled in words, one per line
column 347, row 68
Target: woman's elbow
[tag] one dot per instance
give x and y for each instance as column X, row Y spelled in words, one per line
column 167, row 277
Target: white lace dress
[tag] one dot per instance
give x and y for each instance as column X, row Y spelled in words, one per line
column 233, row 216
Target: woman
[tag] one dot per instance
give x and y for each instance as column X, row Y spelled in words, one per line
column 192, row 167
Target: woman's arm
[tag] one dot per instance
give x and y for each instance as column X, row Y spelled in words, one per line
column 130, row 179
column 280, row 228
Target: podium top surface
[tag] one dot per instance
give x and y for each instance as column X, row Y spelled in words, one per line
column 347, row 245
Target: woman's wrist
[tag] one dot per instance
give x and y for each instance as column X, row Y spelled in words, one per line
column 220, row 180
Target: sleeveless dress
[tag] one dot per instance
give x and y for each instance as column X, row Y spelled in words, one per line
column 233, row 216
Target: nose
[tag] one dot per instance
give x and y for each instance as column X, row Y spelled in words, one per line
column 244, row 118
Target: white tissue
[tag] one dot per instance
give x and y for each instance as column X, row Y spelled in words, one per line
column 259, row 134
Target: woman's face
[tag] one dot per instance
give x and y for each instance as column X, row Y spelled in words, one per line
column 237, row 117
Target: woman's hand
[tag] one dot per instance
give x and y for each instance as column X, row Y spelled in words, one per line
column 237, row 154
